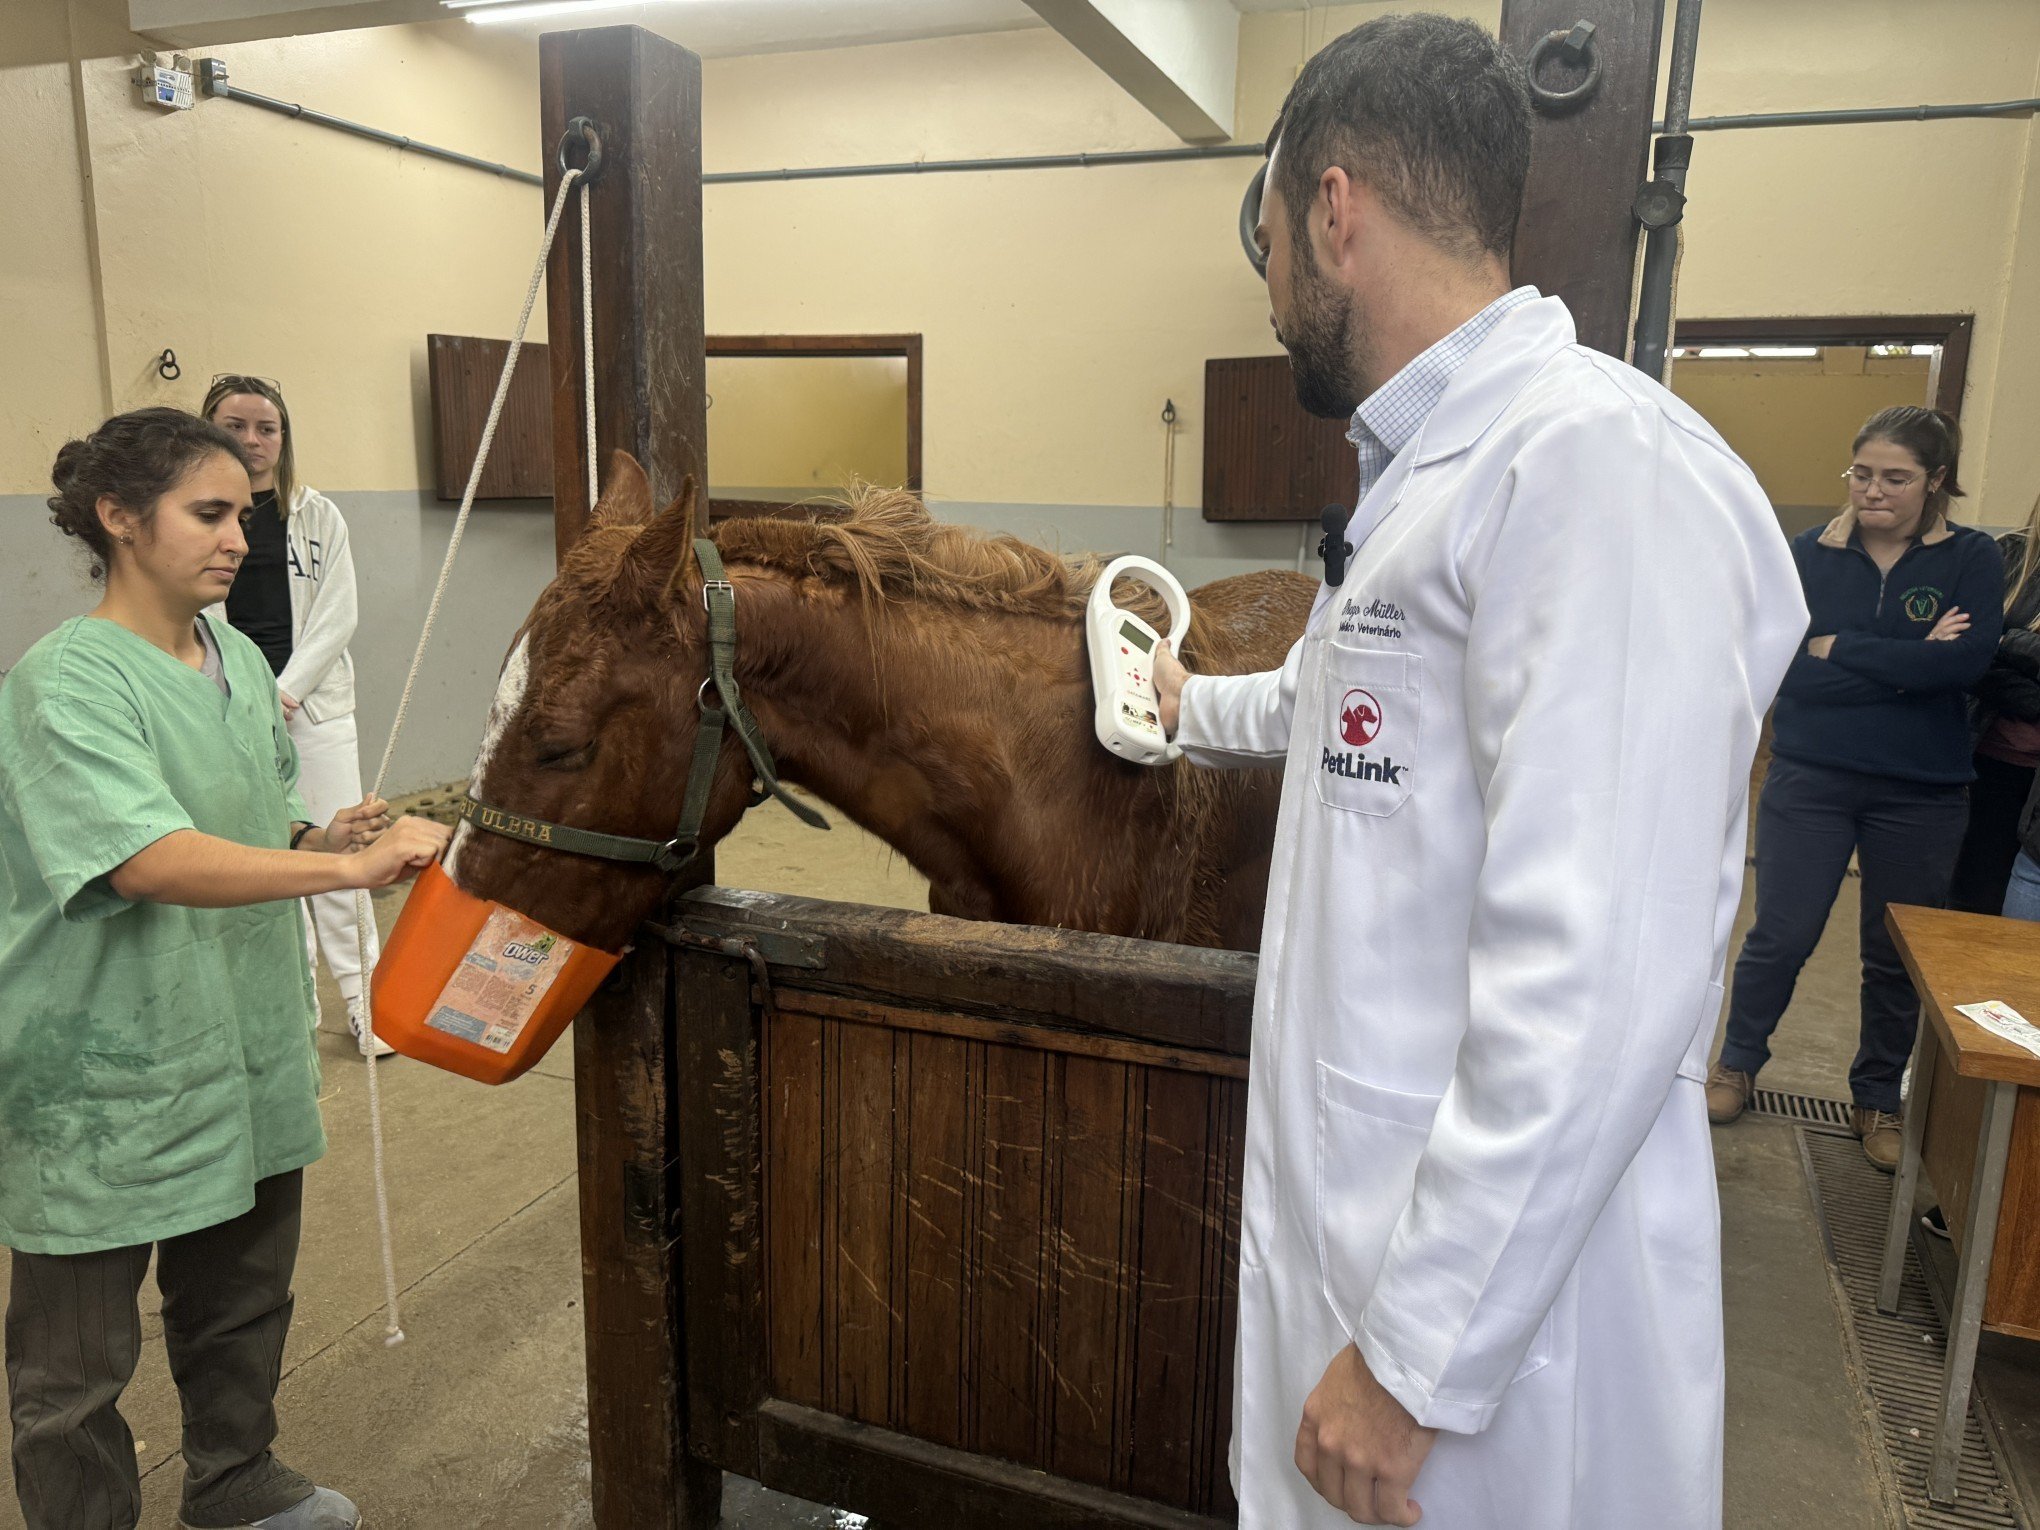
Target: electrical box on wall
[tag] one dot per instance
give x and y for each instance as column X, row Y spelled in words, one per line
column 166, row 81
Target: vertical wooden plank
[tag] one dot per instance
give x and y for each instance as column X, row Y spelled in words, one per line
column 1090, row 1271
column 913, row 352
column 1227, row 1167
column 1576, row 238
column 793, row 1206
column 932, row 1226
column 1175, row 1291
column 862, row 1147
column 721, row 1252
column 1009, row 1417
column 651, row 397
column 627, row 1146
column 645, row 93
column 2012, row 1296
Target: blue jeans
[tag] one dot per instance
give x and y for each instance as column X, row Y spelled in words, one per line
column 1810, row 819
column 2022, row 894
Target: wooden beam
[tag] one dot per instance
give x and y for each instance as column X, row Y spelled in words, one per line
column 651, row 398
column 644, row 96
column 1576, row 238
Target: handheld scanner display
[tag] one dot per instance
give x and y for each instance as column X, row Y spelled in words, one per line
column 1128, row 716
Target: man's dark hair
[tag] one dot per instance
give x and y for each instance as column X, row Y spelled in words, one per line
column 1430, row 112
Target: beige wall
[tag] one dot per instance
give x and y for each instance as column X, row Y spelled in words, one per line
column 807, row 423
column 1792, row 420
column 1060, row 308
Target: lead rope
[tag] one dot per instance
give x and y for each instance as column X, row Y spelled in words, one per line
column 393, row 1333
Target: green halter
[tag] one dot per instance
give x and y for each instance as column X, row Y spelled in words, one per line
column 719, row 598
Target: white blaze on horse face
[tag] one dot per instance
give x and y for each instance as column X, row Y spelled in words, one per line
column 509, row 698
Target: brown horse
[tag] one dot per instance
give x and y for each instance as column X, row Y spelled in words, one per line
column 929, row 681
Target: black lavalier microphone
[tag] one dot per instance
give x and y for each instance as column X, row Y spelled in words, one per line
column 1333, row 546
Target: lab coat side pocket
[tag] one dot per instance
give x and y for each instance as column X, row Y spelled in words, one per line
column 1694, row 1064
column 1369, row 1139
column 1369, row 728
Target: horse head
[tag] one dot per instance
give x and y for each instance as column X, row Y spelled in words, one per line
column 593, row 724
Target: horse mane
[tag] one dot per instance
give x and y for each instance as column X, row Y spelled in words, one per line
column 884, row 543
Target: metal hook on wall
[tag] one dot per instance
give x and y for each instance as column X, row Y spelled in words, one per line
column 167, row 367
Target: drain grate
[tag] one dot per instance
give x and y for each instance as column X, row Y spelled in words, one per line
column 1900, row 1356
column 1802, row 1109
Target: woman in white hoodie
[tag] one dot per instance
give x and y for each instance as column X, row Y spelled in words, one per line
column 294, row 596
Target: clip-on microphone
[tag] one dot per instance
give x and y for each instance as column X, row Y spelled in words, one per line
column 1333, row 546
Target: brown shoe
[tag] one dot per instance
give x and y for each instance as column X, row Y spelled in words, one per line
column 1883, row 1134
column 1728, row 1093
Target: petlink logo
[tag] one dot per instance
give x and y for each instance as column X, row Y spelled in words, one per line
column 1357, row 767
column 532, row 952
column 1359, row 718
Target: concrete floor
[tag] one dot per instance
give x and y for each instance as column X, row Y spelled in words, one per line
column 479, row 1419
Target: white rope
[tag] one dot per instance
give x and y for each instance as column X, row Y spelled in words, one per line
column 588, row 347
column 1168, row 486
column 394, row 1332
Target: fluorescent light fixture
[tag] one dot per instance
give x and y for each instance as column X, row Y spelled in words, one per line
column 1784, row 352
column 534, row 10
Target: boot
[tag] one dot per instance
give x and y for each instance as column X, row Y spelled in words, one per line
column 1728, row 1093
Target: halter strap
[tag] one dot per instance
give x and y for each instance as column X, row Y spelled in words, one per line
column 719, row 598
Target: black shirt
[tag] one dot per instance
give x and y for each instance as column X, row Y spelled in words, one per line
column 259, row 602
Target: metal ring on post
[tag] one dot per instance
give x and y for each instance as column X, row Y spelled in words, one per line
column 584, row 131
column 1250, row 219
column 1577, row 46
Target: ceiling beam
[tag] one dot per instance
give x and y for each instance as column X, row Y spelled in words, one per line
column 1178, row 58
column 206, row 23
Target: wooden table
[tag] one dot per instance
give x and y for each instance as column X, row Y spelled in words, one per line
column 1974, row 1095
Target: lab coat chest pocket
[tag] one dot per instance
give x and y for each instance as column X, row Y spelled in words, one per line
column 1369, row 728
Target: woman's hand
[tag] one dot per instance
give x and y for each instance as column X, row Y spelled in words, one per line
column 1169, row 678
column 1953, row 623
column 410, row 845
column 355, row 827
column 1821, row 647
column 290, row 704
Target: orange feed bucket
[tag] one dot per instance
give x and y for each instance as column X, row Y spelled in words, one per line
column 476, row 988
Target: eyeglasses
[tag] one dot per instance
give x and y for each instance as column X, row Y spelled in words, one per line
column 1892, row 483
column 232, row 378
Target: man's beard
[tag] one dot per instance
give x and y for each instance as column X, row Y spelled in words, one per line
column 1320, row 360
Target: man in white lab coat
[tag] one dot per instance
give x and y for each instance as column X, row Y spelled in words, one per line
column 1480, row 1274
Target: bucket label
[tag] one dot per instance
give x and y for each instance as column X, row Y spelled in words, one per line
column 500, row 983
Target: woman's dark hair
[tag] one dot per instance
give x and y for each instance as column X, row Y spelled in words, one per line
column 134, row 458
column 1935, row 441
column 1430, row 111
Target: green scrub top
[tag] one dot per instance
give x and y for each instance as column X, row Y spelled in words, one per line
column 155, row 1061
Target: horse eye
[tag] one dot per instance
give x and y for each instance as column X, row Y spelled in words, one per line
column 565, row 757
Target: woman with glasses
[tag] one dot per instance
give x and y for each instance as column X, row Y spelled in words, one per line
column 294, row 596
column 1871, row 752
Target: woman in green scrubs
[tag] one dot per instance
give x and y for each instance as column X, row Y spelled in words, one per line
column 158, row 1083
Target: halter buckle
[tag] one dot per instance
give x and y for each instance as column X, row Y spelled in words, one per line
column 712, row 586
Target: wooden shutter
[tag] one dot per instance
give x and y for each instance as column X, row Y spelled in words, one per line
column 1264, row 458
column 463, row 372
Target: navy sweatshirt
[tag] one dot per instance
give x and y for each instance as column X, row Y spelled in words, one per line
column 1884, row 701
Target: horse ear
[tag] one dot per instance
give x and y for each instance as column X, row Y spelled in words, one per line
column 628, row 500
column 662, row 557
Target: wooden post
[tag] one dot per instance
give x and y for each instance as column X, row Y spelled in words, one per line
column 644, row 96
column 1576, row 238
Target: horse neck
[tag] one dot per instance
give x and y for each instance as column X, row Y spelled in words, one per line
column 912, row 737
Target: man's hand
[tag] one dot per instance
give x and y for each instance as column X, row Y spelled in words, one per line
column 1169, row 678
column 354, row 827
column 1359, row 1447
column 1821, row 647
column 290, row 704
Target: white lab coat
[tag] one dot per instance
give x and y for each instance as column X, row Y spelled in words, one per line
column 1518, row 744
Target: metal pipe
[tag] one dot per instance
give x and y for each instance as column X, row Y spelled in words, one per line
column 1844, row 116
column 1661, row 204
column 1024, row 162
column 217, row 86
column 226, row 92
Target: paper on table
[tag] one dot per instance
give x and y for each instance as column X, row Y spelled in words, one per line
column 2000, row 1019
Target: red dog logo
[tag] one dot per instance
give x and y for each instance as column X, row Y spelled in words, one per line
column 1359, row 719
